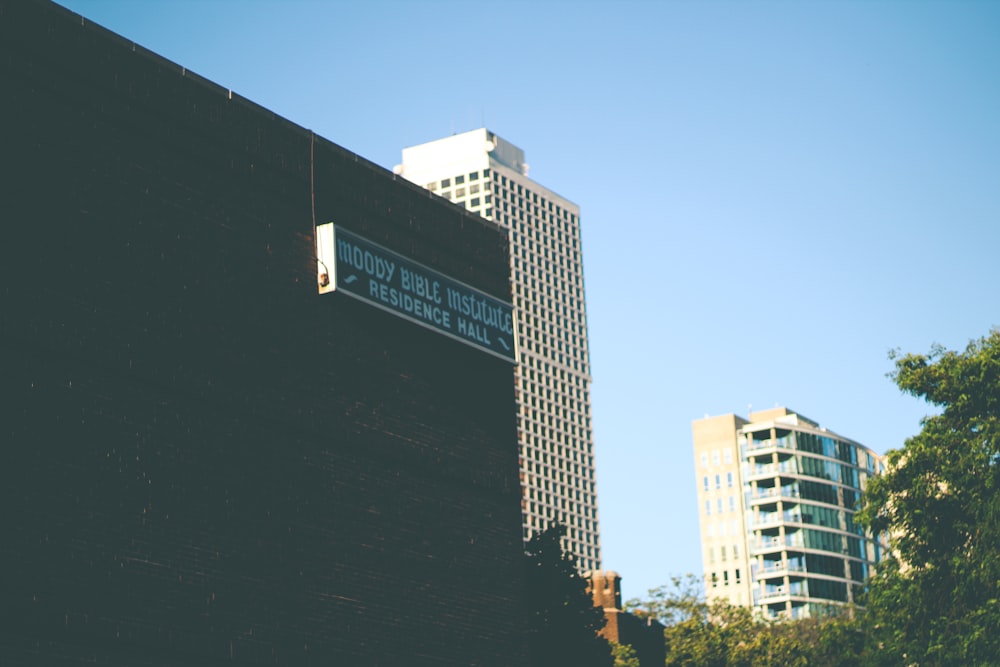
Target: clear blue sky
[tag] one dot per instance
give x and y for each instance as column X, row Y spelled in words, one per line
column 773, row 194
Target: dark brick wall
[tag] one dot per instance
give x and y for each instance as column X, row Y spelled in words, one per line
column 645, row 636
column 202, row 460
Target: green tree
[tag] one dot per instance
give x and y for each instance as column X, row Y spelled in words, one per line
column 708, row 637
column 563, row 621
column 935, row 600
column 681, row 599
column 625, row 655
column 718, row 634
column 836, row 640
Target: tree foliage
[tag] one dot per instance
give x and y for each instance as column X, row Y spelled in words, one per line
column 717, row 634
column 673, row 603
column 563, row 621
column 625, row 655
column 935, row 600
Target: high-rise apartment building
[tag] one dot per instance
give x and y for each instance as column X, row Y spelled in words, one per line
column 777, row 496
column 488, row 175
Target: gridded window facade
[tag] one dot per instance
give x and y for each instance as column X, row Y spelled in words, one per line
column 553, row 376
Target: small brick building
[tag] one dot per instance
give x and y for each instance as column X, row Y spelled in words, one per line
column 644, row 635
column 203, row 460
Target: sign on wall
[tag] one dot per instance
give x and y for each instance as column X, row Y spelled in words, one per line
column 364, row 270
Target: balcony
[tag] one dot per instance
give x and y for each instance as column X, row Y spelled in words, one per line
column 770, row 520
column 794, row 539
column 765, row 520
column 772, row 567
column 773, row 493
column 771, row 593
column 764, row 543
column 775, row 568
column 796, row 588
column 767, row 543
column 766, row 492
column 783, row 442
column 765, row 470
column 761, row 471
column 764, row 445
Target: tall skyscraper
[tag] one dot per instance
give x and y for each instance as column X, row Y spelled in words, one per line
column 488, row 175
column 776, row 497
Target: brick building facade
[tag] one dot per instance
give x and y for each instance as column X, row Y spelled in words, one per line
column 644, row 634
column 203, row 461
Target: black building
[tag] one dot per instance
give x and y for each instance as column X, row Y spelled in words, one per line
column 203, row 460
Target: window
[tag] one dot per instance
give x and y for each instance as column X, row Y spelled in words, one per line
column 445, row 182
column 705, row 479
column 704, row 459
column 718, row 482
column 708, row 507
column 729, row 479
column 459, row 179
column 732, row 503
column 728, row 456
